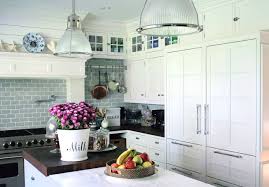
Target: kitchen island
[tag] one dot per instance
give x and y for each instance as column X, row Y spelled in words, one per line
column 45, row 169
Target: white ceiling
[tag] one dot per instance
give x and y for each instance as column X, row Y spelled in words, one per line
column 120, row 10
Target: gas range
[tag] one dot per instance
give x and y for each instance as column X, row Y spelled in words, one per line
column 16, row 140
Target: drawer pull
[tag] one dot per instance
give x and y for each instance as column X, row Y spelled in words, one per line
column 183, row 172
column 32, row 178
column 218, row 184
column 157, row 165
column 198, row 119
column 137, row 138
column 157, row 154
column 227, row 154
column 185, row 145
column 157, row 143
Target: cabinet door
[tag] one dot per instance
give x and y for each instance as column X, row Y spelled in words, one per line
column 231, row 167
column 232, row 97
column 174, row 93
column 128, row 81
column 138, row 80
column 218, row 22
column 155, row 80
column 193, row 96
column 116, row 45
column 98, row 42
column 185, row 155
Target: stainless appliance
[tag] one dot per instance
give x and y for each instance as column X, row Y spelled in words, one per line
column 12, row 142
column 158, row 115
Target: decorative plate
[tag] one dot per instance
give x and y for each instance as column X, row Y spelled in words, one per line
column 111, row 147
column 33, row 42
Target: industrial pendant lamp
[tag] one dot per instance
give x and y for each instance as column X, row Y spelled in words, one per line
column 169, row 18
column 73, row 43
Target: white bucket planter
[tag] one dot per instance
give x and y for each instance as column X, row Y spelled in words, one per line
column 74, row 144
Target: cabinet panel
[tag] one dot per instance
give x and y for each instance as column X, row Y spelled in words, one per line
column 193, row 96
column 218, row 22
column 155, row 79
column 158, row 155
column 231, row 167
column 29, row 68
column 6, row 68
column 231, row 96
column 68, row 68
column 185, row 155
column 174, row 95
column 185, row 172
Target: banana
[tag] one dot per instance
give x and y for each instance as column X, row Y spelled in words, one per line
column 123, row 155
column 130, row 155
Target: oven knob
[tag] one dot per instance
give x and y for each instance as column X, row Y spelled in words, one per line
column 41, row 142
column 48, row 140
column 28, row 143
column 19, row 144
column 5, row 145
column 34, row 141
column 12, row 143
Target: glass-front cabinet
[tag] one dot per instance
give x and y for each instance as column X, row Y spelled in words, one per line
column 116, row 45
column 153, row 42
column 171, row 40
column 137, row 44
column 97, row 43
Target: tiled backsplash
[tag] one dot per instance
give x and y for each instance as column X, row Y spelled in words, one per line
column 114, row 99
column 17, row 101
column 17, row 96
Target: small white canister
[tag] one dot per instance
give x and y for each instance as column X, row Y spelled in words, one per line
column 74, row 144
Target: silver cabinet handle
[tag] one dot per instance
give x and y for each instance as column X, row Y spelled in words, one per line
column 227, row 154
column 206, row 106
column 185, row 145
column 137, row 138
column 180, row 171
column 142, row 94
column 159, row 94
column 157, row 143
column 198, row 118
column 157, row 154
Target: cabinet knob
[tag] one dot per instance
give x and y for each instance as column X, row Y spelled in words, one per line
column 142, row 94
column 157, row 154
column 236, row 18
column 32, row 178
column 159, row 94
column 137, row 138
column 162, row 94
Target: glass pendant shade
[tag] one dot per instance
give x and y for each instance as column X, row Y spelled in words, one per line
column 169, row 18
column 73, row 43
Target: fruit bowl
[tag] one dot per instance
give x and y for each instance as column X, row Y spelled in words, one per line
column 129, row 173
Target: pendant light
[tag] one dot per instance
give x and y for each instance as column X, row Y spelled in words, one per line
column 169, row 18
column 74, row 42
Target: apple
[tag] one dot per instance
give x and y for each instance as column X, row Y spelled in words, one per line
column 138, row 160
column 139, row 167
column 114, row 165
column 130, row 165
column 121, row 167
column 145, row 157
column 129, row 158
column 147, row 164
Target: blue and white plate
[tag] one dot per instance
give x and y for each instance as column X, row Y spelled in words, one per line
column 34, row 42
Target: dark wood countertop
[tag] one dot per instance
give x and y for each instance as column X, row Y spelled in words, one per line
column 50, row 163
column 139, row 128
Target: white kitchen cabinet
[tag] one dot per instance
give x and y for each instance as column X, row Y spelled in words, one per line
column 116, row 45
column 218, row 22
column 184, row 172
column 184, row 90
column 231, row 97
column 186, row 155
column 155, row 79
column 233, row 167
column 219, row 183
column 34, row 178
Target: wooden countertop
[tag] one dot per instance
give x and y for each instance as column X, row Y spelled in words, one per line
column 50, row 163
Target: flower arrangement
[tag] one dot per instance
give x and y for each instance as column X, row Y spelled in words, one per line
column 71, row 116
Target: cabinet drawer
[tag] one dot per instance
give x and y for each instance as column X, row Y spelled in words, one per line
column 219, row 183
column 158, row 155
column 160, row 164
column 232, row 167
column 185, row 155
column 137, row 139
column 138, row 148
column 156, row 143
column 184, row 172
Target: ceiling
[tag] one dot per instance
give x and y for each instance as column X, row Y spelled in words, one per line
column 121, row 10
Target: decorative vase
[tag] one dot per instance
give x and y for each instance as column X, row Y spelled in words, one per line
column 74, row 144
column 104, row 123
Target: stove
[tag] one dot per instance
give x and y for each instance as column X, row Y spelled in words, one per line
column 12, row 142
column 16, row 140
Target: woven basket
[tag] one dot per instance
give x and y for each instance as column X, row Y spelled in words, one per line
column 129, row 173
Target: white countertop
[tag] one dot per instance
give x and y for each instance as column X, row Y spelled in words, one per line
column 97, row 178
